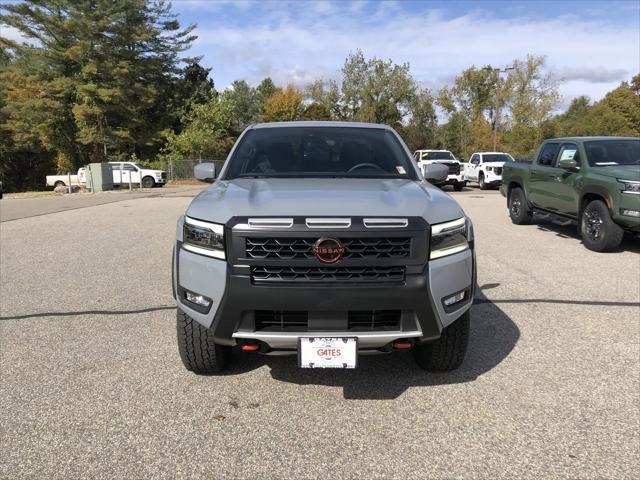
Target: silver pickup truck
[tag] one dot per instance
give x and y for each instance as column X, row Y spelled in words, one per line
column 323, row 240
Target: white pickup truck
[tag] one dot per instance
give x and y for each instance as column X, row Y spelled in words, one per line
column 486, row 168
column 122, row 173
column 63, row 180
column 445, row 157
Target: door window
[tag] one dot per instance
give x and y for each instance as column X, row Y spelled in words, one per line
column 130, row 168
column 548, row 154
column 475, row 159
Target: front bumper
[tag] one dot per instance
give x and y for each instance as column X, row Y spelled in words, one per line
column 453, row 179
column 493, row 179
column 235, row 299
column 627, row 201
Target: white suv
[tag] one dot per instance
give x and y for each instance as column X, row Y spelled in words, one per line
column 428, row 157
column 486, row 168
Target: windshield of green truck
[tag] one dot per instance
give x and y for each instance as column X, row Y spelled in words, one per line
column 602, row 153
column 348, row 152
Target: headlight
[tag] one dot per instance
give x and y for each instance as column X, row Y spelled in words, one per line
column 629, row 186
column 204, row 238
column 449, row 238
column 489, row 169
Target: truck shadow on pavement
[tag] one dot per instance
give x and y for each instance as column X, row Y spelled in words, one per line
column 386, row 377
column 570, row 230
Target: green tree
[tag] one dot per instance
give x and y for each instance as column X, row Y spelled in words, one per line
column 420, row 130
column 104, row 73
column 325, row 97
column 208, row 133
column 531, row 95
column 376, row 90
column 243, row 102
column 264, row 90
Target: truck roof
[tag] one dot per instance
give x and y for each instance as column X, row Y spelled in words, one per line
column 315, row 123
column 490, row 153
column 430, row 150
column 590, row 139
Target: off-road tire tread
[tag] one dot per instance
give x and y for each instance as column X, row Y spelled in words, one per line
column 525, row 216
column 613, row 233
column 448, row 352
column 199, row 353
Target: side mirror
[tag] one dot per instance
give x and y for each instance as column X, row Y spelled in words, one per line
column 205, row 172
column 567, row 164
column 436, row 172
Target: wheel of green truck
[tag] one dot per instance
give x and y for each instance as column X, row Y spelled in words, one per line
column 599, row 232
column 446, row 353
column 481, row 182
column 518, row 208
column 198, row 352
column 148, row 182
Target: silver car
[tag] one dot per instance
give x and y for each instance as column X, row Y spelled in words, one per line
column 323, row 240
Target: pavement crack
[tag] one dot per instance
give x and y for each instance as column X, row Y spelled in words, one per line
column 89, row 312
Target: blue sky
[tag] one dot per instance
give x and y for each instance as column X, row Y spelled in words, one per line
column 592, row 45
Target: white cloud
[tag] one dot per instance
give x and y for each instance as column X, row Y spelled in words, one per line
column 14, row 34
column 296, row 45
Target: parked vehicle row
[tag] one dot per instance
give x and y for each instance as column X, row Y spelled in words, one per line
column 594, row 181
column 123, row 173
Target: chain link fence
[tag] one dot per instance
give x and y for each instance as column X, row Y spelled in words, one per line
column 183, row 169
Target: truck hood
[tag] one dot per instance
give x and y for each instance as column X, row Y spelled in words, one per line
column 336, row 197
column 493, row 164
column 429, row 162
column 623, row 172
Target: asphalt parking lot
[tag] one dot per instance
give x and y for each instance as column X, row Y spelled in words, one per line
column 92, row 385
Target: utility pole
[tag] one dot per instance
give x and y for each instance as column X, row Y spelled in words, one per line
column 496, row 117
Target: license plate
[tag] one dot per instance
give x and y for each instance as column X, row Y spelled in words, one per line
column 323, row 352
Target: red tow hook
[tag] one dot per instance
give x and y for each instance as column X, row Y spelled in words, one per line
column 250, row 347
column 402, row 345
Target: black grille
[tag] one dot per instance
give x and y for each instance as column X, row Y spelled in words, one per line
column 301, row 248
column 363, row 320
column 298, row 321
column 327, row 274
column 163, row 175
column 454, row 168
column 498, row 170
column 281, row 320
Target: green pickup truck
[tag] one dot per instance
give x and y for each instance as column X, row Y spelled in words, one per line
column 592, row 180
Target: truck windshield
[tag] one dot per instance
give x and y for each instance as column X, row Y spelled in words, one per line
column 501, row 157
column 319, row 152
column 602, row 153
column 437, row 156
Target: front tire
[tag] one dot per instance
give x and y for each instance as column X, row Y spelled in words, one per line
column 458, row 186
column 481, row 182
column 518, row 209
column 448, row 352
column 198, row 352
column 599, row 232
column 148, row 182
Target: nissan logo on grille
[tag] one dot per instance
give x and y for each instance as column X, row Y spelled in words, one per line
column 328, row 250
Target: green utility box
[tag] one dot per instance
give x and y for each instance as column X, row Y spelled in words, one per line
column 99, row 177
